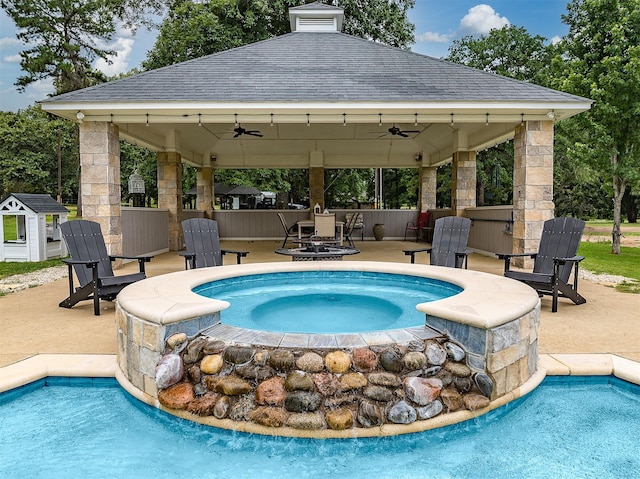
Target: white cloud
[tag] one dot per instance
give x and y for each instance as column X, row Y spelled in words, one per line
column 555, row 40
column 433, row 37
column 41, row 88
column 481, row 19
column 119, row 61
column 11, row 59
column 9, row 42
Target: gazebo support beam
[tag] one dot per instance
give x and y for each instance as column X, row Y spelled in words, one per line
column 100, row 180
column 428, row 188
column 170, row 194
column 316, row 179
column 204, row 188
column 532, row 185
column 463, row 182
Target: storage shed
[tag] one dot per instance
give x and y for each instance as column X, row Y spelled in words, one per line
column 30, row 228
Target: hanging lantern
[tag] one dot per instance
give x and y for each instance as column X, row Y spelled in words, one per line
column 136, row 183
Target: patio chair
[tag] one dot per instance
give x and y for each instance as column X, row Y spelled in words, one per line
column 420, row 226
column 554, row 261
column 289, row 231
column 449, row 246
column 203, row 244
column 358, row 224
column 350, row 224
column 92, row 265
column 324, row 226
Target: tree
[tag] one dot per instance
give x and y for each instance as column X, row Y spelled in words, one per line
column 579, row 189
column 601, row 60
column 509, row 51
column 343, row 186
column 29, row 153
column 195, row 29
column 64, row 37
column 132, row 158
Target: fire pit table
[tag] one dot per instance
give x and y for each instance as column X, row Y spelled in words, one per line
column 318, row 251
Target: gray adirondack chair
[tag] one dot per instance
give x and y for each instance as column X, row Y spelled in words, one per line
column 553, row 263
column 449, row 245
column 92, row 265
column 203, row 244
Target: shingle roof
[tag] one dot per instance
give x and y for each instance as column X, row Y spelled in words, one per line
column 315, row 67
column 39, row 203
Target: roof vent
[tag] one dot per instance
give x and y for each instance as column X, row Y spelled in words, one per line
column 316, row 17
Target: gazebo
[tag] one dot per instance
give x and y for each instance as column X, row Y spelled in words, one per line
column 317, row 98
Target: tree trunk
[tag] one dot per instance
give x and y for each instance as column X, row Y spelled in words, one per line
column 619, row 186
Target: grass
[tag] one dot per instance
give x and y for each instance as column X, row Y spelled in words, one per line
column 599, row 260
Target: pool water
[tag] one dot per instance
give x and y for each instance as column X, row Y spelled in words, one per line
column 330, row 302
column 569, row 427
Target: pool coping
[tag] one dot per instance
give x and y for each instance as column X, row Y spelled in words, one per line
column 41, row 366
column 487, row 300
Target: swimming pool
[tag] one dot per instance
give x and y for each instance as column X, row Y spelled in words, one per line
column 326, row 301
column 583, row 427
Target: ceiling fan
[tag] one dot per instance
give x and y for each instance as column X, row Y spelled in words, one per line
column 395, row 131
column 241, row 131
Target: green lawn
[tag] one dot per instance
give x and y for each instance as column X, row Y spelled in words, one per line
column 599, row 260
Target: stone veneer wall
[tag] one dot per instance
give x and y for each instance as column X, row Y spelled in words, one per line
column 141, row 343
column 508, row 353
column 496, row 361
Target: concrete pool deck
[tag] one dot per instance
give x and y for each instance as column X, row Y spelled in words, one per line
column 40, row 339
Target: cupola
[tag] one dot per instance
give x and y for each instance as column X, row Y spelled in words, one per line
column 316, row 17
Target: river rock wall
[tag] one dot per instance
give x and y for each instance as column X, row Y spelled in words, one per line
column 319, row 389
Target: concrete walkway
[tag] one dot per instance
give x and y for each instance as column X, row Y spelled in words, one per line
column 32, row 323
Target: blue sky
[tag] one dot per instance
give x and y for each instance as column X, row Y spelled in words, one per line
column 438, row 23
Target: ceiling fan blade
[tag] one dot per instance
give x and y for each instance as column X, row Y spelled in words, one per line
column 403, row 134
column 253, row 133
column 237, row 135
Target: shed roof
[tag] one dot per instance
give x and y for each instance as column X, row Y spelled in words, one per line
column 38, row 203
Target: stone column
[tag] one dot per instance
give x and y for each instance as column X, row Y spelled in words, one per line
column 316, row 179
column 532, row 186
column 204, row 188
column 170, row 194
column 428, row 188
column 316, row 187
column 100, row 179
column 463, row 182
